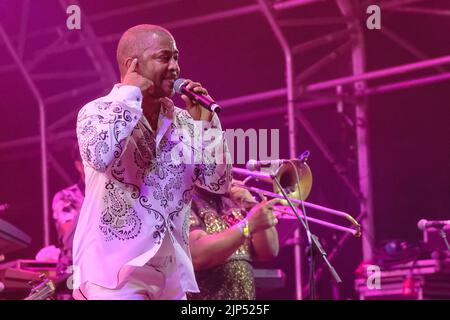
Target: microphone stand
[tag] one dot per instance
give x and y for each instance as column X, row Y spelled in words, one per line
column 313, row 241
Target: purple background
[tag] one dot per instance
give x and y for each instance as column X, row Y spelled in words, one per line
column 409, row 129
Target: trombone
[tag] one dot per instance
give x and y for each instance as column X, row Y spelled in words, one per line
column 296, row 178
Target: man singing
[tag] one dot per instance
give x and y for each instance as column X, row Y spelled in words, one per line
column 132, row 240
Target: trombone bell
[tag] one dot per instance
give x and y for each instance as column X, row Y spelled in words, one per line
column 296, row 179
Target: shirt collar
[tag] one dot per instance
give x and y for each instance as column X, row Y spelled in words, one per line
column 112, row 93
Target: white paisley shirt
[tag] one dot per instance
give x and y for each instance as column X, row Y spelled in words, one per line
column 139, row 182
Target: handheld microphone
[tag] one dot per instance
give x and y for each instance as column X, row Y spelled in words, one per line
column 425, row 224
column 204, row 101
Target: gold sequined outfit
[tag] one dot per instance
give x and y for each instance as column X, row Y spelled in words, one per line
column 234, row 279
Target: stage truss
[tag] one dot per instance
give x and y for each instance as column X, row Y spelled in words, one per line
column 299, row 91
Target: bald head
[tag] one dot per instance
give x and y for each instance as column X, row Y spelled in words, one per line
column 136, row 40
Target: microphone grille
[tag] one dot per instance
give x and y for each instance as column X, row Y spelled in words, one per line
column 178, row 84
column 251, row 165
column 422, row 224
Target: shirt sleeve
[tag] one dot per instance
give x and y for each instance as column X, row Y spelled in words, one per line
column 214, row 171
column 103, row 127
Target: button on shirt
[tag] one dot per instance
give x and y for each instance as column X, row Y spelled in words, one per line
column 139, row 183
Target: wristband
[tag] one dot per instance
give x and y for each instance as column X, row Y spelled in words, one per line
column 244, row 227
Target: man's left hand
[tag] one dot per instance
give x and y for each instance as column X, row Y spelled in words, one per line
column 196, row 111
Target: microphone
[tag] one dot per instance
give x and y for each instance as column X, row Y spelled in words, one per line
column 204, row 101
column 425, row 224
column 254, row 165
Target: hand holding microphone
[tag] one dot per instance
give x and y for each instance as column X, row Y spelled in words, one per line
column 199, row 104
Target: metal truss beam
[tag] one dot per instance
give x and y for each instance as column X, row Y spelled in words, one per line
column 421, row 10
column 290, row 95
column 379, row 73
column 320, row 41
column 194, row 21
column 364, row 170
column 42, row 126
column 390, row 4
column 324, row 61
column 407, row 46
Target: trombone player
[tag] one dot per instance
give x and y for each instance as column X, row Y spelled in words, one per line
column 227, row 232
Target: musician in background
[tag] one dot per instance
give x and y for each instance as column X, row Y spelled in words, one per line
column 227, row 233
column 66, row 207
